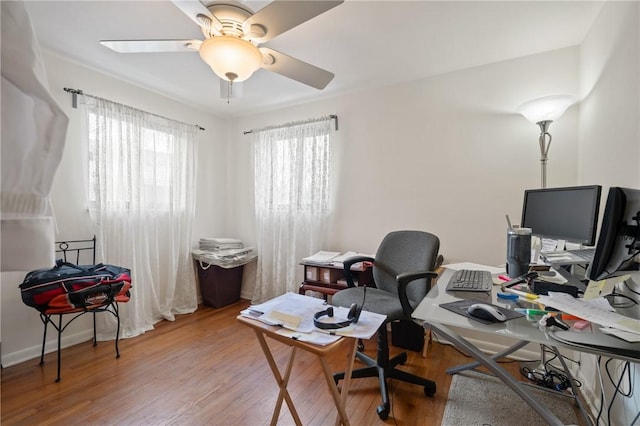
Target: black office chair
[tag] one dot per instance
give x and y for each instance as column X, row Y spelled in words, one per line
column 402, row 272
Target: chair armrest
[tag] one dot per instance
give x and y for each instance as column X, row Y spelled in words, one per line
column 403, row 281
column 347, row 267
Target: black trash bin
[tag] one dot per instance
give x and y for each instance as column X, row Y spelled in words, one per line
column 219, row 286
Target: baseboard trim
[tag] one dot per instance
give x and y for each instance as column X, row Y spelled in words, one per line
column 33, row 352
column 523, row 354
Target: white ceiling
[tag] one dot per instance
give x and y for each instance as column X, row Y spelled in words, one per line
column 365, row 43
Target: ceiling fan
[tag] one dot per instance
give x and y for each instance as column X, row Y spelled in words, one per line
column 233, row 33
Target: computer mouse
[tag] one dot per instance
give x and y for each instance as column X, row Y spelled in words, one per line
column 486, row 312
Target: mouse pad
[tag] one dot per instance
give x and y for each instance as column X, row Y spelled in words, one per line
column 460, row 307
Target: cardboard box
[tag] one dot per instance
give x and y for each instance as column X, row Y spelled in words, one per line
column 329, row 275
column 311, row 273
column 342, row 282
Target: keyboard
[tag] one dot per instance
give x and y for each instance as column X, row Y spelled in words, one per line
column 470, row 280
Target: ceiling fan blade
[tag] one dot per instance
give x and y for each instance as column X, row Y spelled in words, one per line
column 296, row 69
column 193, row 9
column 152, row 46
column 280, row 16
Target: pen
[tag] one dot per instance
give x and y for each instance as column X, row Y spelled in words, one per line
column 566, row 317
column 532, row 311
column 529, row 296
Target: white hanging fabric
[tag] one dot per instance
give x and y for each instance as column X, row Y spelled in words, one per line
column 33, row 136
column 292, row 201
column 142, row 180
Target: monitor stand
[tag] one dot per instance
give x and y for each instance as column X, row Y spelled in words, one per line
column 571, row 279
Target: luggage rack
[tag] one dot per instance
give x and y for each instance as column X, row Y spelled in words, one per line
column 74, row 251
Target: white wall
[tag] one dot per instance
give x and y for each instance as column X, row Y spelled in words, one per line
column 609, row 130
column 446, row 154
column 609, row 126
column 21, row 327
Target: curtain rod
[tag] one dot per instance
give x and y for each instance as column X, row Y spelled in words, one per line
column 76, row 92
column 332, row 117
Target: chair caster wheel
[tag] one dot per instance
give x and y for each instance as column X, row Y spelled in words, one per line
column 430, row 390
column 360, row 346
column 383, row 411
column 402, row 358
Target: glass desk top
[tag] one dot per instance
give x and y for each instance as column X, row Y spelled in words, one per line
column 525, row 328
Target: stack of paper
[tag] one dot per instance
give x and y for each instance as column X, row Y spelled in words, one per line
column 224, row 252
column 322, row 258
column 335, row 259
column 596, row 311
column 294, row 313
column 212, row 244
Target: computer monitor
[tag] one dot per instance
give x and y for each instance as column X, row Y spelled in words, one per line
column 619, row 240
column 569, row 213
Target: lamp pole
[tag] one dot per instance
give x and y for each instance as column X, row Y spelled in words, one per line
column 545, row 142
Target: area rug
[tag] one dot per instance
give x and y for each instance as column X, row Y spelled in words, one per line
column 480, row 399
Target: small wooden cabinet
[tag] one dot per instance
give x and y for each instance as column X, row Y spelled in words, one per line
column 329, row 279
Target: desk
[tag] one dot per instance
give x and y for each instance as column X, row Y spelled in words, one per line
column 339, row 398
column 522, row 330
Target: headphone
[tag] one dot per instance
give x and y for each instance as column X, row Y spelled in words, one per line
column 352, row 317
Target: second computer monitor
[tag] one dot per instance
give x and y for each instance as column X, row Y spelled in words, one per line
column 569, row 213
column 619, row 240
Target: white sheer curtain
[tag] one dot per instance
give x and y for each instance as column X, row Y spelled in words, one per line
column 141, row 191
column 292, row 201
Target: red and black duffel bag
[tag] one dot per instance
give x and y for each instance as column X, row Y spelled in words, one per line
column 69, row 286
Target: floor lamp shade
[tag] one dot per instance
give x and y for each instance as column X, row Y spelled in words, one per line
column 546, row 108
column 543, row 111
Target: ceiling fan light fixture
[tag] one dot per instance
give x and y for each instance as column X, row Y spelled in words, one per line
column 230, row 56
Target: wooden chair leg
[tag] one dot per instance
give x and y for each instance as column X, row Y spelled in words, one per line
column 427, row 340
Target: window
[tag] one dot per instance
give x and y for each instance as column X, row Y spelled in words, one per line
column 300, row 174
column 292, row 201
column 146, row 160
column 141, row 188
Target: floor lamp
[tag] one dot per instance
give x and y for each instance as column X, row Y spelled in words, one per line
column 543, row 111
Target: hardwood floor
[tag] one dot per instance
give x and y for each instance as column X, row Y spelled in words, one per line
column 206, row 369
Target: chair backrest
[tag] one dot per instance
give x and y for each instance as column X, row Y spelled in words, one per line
column 79, row 252
column 405, row 251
